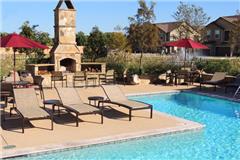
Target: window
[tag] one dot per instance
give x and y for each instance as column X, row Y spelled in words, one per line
column 226, row 36
column 217, row 34
column 162, row 36
column 208, row 33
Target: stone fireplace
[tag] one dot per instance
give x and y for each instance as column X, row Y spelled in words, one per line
column 65, row 54
column 68, row 64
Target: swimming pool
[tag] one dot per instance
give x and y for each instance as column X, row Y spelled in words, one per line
column 219, row 140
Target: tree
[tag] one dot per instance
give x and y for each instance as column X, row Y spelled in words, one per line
column 193, row 15
column 116, row 41
column 32, row 33
column 96, row 45
column 142, row 34
column 118, row 28
column 44, row 38
column 3, row 34
column 29, row 31
column 234, row 38
column 81, row 39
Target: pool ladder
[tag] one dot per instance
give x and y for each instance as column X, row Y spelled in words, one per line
column 237, row 92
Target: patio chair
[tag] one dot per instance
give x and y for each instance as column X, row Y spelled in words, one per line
column 218, row 78
column 234, row 84
column 79, row 76
column 58, row 76
column 7, row 87
column 115, row 96
column 110, row 76
column 182, row 77
column 27, row 106
column 91, row 77
column 72, row 102
column 6, row 95
column 166, row 77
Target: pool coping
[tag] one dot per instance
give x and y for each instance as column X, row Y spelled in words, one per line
column 186, row 91
column 213, row 96
column 186, row 125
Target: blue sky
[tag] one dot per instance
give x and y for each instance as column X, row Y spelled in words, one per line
column 105, row 14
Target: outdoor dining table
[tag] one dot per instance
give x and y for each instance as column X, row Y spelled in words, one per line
column 188, row 76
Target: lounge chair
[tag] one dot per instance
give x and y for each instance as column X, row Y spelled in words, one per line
column 27, row 106
column 38, row 85
column 115, row 96
column 72, row 102
column 218, row 78
column 237, row 92
column 234, row 84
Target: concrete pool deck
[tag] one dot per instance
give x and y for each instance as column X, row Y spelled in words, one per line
column 116, row 125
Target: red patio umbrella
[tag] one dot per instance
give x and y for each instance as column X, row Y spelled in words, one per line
column 17, row 41
column 186, row 43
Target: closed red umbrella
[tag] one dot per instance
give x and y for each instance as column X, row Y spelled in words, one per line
column 17, row 41
column 186, row 43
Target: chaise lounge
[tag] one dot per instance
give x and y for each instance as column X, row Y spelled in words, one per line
column 115, row 96
column 234, row 84
column 27, row 106
column 218, row 78
column 71, row 101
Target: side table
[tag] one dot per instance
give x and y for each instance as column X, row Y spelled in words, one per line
column 95, row 99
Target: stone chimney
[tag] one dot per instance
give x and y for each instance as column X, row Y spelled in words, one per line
column 65, row 53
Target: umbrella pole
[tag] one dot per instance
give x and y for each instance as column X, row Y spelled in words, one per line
column 184, row 64
column 14, row 65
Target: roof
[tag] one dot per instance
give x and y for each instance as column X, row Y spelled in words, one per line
column 231, row 19
column 68, row 4
column 168, row 26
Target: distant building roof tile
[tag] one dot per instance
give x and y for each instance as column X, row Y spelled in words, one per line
column 168, row 26
column 231, row 19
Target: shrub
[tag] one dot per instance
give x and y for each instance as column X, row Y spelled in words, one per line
column 231, row 66
column 38, row 57
column 118, row 61
column 133, row 68
column 156, row 65
column 154, row 68
column 151, row 66
column 7, row 63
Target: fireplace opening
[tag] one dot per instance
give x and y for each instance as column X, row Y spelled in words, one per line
column 68, row 65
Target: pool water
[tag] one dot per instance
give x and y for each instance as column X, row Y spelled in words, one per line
column 220, row 139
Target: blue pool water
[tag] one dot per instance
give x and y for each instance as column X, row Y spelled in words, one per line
column 219, row 140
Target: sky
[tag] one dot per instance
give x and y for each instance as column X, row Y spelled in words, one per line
column 106, row 14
